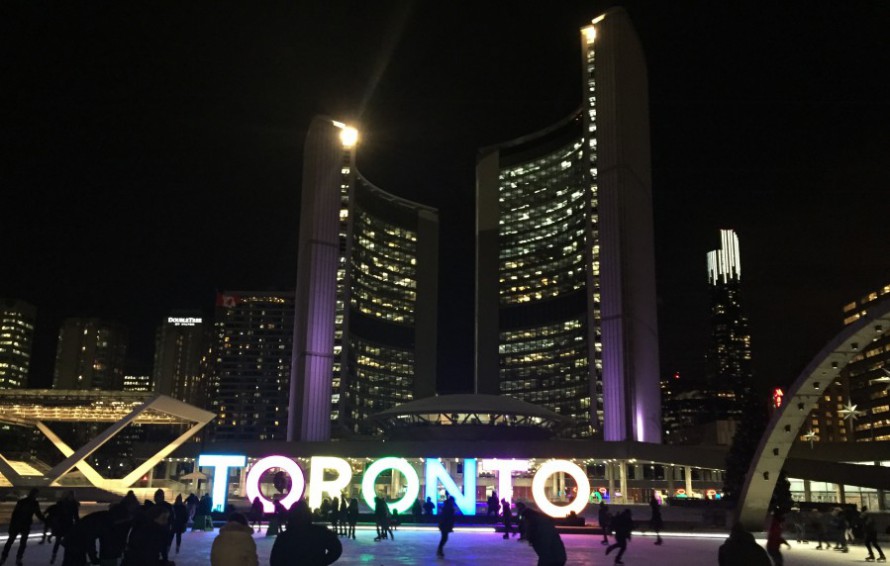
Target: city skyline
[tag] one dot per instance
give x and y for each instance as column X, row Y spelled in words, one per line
column 157, row 162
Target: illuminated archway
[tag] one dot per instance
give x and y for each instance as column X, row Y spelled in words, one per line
column 800, row 400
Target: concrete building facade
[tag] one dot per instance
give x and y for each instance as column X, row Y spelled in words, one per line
column 565, row 296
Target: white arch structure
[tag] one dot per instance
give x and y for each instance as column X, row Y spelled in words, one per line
column 800, row 400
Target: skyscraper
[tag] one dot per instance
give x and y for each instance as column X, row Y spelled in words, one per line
column 17, row 320
column 90, row 355
column 253, row 333
column 365, row 326
column 565, row 297
column 729, row 356
column 180, row 342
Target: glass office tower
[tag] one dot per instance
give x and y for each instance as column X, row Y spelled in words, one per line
column 565, row 301
column 365, row 321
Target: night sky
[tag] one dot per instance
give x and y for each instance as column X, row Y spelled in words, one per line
column 150, row 154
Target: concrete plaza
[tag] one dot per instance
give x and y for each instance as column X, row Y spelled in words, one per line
column 488, row 548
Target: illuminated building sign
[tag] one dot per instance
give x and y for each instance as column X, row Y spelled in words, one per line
column 329, row 476
column 778, row 395
column 184, row 320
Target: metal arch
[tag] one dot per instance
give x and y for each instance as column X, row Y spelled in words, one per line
column 801, row 399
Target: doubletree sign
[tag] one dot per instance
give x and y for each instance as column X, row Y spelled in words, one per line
column 330, row 476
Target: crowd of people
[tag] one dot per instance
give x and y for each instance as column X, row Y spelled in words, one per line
column 127, row 533
column 130, row 533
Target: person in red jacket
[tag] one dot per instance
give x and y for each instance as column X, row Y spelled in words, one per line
column 775, row 540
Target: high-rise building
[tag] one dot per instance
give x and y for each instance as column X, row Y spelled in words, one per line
column 17, row 319
column 864, row 384
column 253, row 334
column 565, row 296
column 729, row 356
column 365, row 326
column 90, row 355
column 180, row 343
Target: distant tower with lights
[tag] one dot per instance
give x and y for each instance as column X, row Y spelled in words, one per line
column 565, row 262
column 729, row 354
column 90, row 355
column 17, row 319
column 248, row 374
column 366, row 296
column 180, row 343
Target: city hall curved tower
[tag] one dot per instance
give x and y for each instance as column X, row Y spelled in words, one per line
column 365, row 311
column 565, row 298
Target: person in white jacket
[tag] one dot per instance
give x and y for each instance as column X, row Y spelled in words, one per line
column 234, row 546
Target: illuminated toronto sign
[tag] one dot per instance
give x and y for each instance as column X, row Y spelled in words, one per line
column 330, row 476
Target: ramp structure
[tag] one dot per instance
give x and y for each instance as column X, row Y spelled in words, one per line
column 38, row 407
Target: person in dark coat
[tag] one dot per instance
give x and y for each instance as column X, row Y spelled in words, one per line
column 202, row 515
column 20, row 524
column 256, row 513
column 656, row 522
column 740, row 549
column 446, row 524
column 508, row 517
column 344, row 517
column 315, row 545
column 352, row 517
column 150, row 537
column 171, row 518
column 180, row 520
column 428, row 507
column 545, row 540
column 417, row 510
column 108, row 528
column 603, row 518
column 493, row 505
column 870, row 535
column 191, row 503
column 381, row 517
column 66, row 516
column 49, row 525
column 622, row 525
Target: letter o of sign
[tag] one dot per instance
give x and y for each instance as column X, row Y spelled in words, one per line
column 540, row 481
column 261, row 467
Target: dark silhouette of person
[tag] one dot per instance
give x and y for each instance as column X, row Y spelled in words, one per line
column 149, row 538
column 171, row 519
column 775, row 540
column 507, row 516
column 202, row 514
column 446, row 524
column 108, row 528
column 334, row 515
column 191, row 503
column 256, row 512
column 381, row 518
column 65, row 517
column 622, row 525
column 417, row 510
column 310, row 545
column 817, row 523
column 352, row 517
column 520, row 520
column 428, row 507
column 180, row 520
column 493, row 505
column 656, row 522
column 870, row 535
column 49, row 525
column 344, row 517
column 740, row 549
column 544, row 539
column 604, row 518
column 20, row 524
